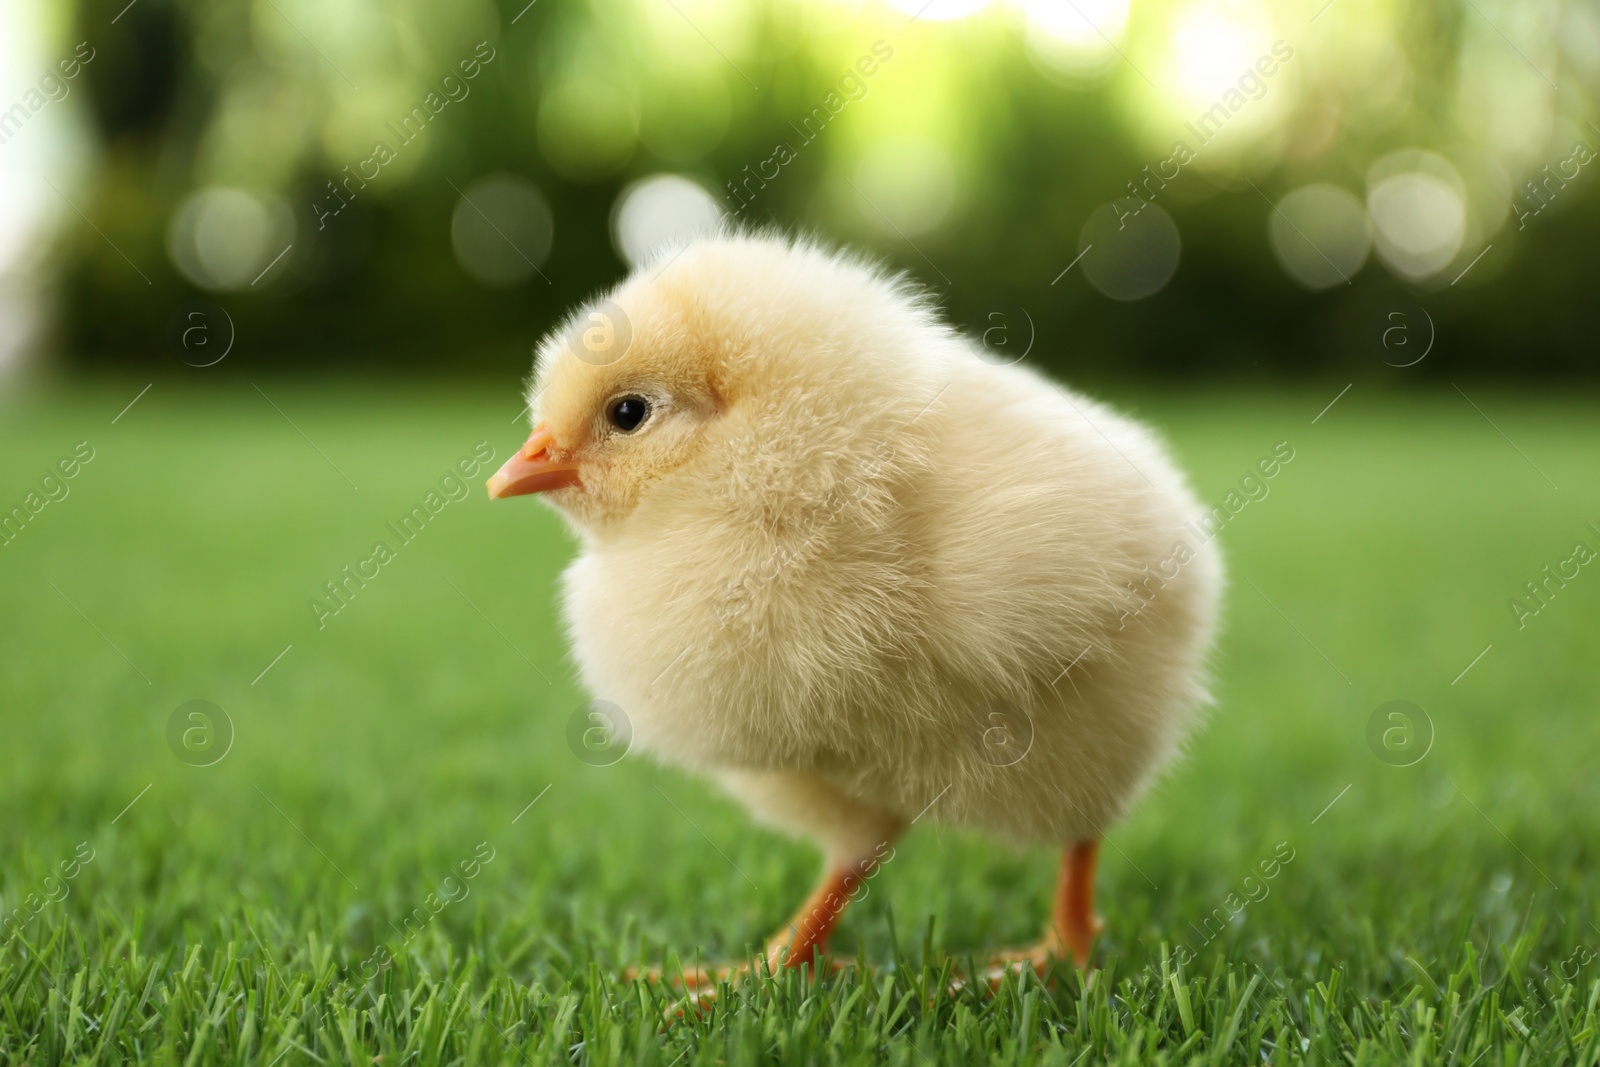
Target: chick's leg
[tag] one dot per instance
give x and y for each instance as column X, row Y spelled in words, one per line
column 855, row 837
column 1073, row 924
column 797, row 944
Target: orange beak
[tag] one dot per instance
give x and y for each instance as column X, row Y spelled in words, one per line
column 532, row 470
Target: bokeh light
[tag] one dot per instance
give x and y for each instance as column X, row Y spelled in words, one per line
column 1075, row 42
column 1130, row 249
column 1213, row 42
column 940, row 10
column 909, row 184
column 223, row 238
column 501, row 230
column 658, row 212
column 1320, row 235
column 1418, row 212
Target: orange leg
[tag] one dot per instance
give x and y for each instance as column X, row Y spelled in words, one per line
column 1073, row 925
column 1072, row 930
column 805, row 935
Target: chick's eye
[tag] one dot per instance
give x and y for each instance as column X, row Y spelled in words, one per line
column 628, row 412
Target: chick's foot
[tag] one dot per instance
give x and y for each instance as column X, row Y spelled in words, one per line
column 1072, row 930
column 801, row 943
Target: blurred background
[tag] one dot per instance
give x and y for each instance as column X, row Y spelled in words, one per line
column 1163, row 189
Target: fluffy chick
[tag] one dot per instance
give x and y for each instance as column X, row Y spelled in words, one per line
column 835, row 559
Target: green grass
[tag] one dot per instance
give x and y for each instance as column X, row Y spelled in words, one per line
column 1440, row 912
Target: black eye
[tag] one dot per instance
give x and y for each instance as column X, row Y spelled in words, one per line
column 628, row 412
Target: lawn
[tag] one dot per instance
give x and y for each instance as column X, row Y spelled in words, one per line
column 413, row 744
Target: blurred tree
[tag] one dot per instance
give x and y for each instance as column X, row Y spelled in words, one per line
column 972, row 155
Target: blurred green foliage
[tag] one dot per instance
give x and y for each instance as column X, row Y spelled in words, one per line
column 1021, row 120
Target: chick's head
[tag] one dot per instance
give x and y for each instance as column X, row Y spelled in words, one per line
column 744, row 364
column 621, row 396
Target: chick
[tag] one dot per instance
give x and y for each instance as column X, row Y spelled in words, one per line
column 840, row 563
